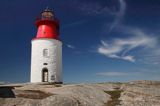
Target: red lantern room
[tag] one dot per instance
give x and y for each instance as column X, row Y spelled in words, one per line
column 48, row 25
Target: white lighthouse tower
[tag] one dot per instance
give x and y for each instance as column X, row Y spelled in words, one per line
column 46, row 56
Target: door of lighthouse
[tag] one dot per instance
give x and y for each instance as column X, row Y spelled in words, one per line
column 44, row 75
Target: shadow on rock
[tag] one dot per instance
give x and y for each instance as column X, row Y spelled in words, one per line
column 6, row 92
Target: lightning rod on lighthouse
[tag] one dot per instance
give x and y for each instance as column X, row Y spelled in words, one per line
column 46, row 56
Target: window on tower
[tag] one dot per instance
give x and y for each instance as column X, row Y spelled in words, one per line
column 46, row 53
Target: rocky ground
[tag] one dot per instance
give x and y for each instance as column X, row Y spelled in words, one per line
column 135, row 93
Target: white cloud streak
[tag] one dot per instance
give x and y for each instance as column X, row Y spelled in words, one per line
column 120, row 48
column 134, row 74
column 112, row 74
column 73, row 24
column 71, row 46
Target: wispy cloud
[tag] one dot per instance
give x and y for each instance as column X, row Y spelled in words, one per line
column 151, row 56
column 119, row 15
column 70, row 46
column 96, row 7
column 116, row 9
column 112, row 74
column 93, row 8
column 120, row 48
column 139, row 72
column 73, row 24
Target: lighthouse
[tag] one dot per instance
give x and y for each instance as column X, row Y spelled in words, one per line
column 46, row 53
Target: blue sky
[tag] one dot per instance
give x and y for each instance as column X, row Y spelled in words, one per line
column 103, row 40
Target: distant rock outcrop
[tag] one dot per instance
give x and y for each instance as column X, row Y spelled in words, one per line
column 135, row 93
column 141, row 93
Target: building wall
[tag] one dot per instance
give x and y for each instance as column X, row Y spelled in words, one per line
column 53, row 59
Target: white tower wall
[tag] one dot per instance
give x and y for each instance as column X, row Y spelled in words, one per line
column 46, row 55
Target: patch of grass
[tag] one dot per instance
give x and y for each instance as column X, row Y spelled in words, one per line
column 57, row 85
column 115, row 95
